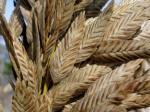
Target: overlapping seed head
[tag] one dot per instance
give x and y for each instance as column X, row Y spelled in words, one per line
column 78, row 55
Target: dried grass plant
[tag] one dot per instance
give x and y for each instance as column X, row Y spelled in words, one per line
column 76, row 56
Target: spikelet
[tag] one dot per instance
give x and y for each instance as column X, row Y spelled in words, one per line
column 5, row 31
column 23, row 98
column 128, row 95
column 93, row 34
column 17, row 51
column 43, row 104
column 76, row 84
column 22, row 58
column 16, row 22
column 100, row 89
column 121, row 50
column 62, row 19
column 128, row 68
column 32, row 78
column 65, row 55
column 121, row 7
column 128, row 20
column 49, row 13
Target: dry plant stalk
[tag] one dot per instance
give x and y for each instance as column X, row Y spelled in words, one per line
column 75, row 56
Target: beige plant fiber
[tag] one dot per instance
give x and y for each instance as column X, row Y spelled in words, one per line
column 79, row 55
